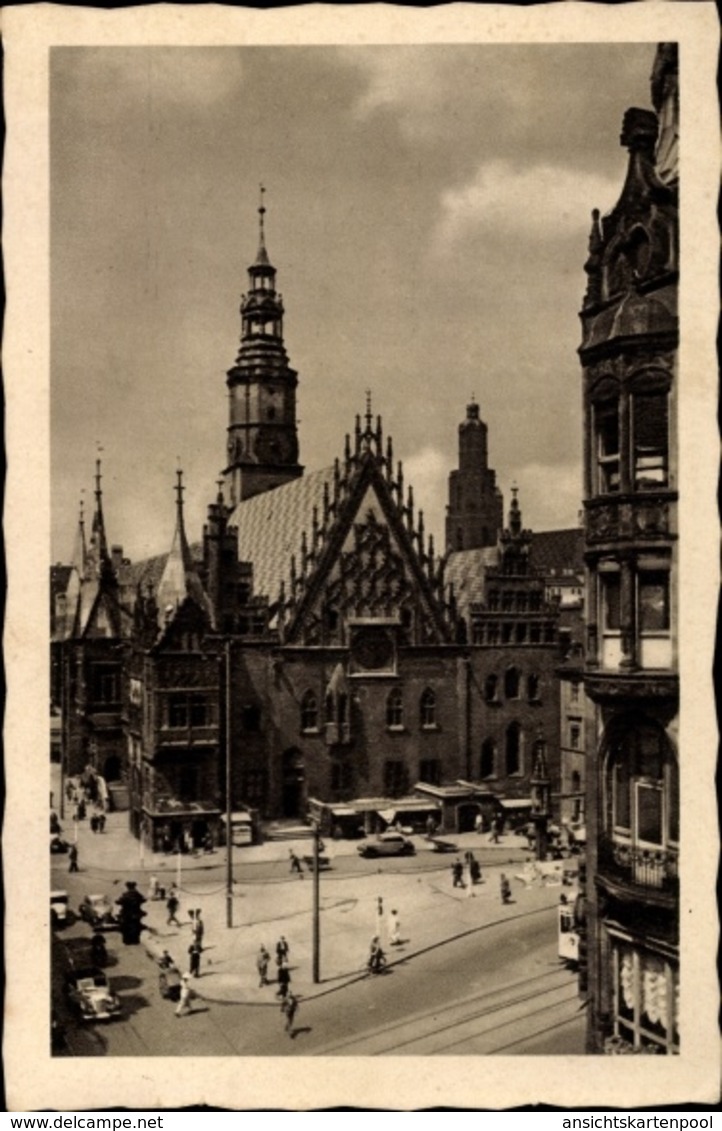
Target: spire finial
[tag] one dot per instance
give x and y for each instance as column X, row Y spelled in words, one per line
column 261, row 214
column 369, row 416
column 179, row 489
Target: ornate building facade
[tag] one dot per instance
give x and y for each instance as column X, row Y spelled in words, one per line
column 628, row 355
column 314, row 651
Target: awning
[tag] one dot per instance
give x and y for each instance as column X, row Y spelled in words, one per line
column 343, row 811
column 516, row 803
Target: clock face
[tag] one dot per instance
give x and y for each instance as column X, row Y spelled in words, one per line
column 373, row 650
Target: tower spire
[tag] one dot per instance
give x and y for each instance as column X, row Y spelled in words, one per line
column 180, row 578
column 262, row 440
column 96, row 556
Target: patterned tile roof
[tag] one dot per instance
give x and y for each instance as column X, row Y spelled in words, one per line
column 270, row 527
column 466, row 569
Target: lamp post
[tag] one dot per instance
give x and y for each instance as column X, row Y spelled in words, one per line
column 316, row 904
column 540, row 796
column 229, row 827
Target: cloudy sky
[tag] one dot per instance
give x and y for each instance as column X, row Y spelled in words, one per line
column 428, row 209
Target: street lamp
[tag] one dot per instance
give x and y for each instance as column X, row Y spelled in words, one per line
column 316, row 903
column 229, row 827
column 540, row 795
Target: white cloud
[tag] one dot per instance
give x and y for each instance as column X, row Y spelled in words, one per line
column 541, row 202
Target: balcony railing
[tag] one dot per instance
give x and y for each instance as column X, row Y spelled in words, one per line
column 650, row 868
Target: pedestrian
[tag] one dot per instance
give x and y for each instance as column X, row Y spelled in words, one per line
column 94, row 823
column 377, row 958
column 153, row 887
column 394, row 926
column 430, row 826
column 101, row 822
column 81, row 809
column 165, row 961
column 505, row 889
column 479, row 823
column 283, row 978
column 199, row 928
column 475, row 870
column 457, row 873
column 73, row 858
column 282, row 950
column 495, row 830
column 379, row 916
column 172, row 905
column 262, row 960
column 289, row 1007
column 186, row 996
column 295, row 864
column 468, row 881
column 195, row 950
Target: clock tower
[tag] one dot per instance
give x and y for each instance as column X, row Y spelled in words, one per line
column 262, row 444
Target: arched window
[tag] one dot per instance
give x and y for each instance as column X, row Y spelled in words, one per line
column 428, row 708
column 511, row 683
column 512, row 753
column 487, row 767
column 309, row 711
column 490, row 688
column 532, row 685
column 395, row 709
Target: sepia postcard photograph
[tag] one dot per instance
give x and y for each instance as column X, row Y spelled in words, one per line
column 363, row 556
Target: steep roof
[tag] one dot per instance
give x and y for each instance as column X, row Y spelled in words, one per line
column 466, row 571
column 270, row 526
column 558, row 551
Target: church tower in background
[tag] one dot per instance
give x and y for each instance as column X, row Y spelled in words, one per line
column 475, row 511
column 262, row 445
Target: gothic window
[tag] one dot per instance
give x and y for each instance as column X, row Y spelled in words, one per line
column 650, row 427
column 430, row 771
column 309, row 712
column 342, row 779
column 330, row 708
column 575, row 735
column 507, row 601
column 428, row 708
column 395, row 778
column 342, row 707
column 653, row 602
column 493, row 600
column 491, row 684
column 534, row 634
column 395, row 708
column 507, row 631
column 532, row 686
column 574, row 693
column 487, row 768
column 521, row 633
column 512, row 679
column 512, row 752
column 492, row 634
column 477, row 632
column 606, row 419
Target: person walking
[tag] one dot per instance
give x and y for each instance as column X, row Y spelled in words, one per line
column 282, row 950
column 505, row 889
column 295, row 864
column 289, row 1007
column 394, row 927
column 284, row 980
column 495, row 830
column 457, row 873
column 172, row 906
column 73, row 858
column 186, row 996
column 101, row 822
column 195, row 950
column 262, row 960
column 199, row 928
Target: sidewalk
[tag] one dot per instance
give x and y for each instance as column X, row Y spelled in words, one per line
column 266, row 906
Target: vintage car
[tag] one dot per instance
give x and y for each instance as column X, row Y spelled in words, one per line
column 58, row 908
column 97, row 910
column 57, row 844
column 387, row 844
column 89, row 992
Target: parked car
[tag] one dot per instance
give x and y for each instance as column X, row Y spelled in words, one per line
column 89, row 991
column 97, row 910
column 58, row 908
column 387, row 844
column 57, row 844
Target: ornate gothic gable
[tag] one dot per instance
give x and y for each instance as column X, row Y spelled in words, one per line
column 367, row 557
